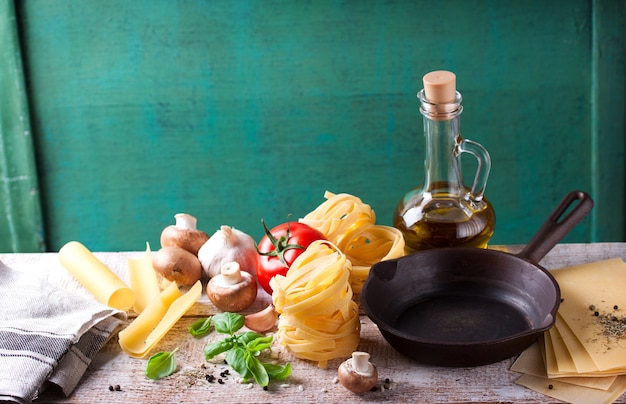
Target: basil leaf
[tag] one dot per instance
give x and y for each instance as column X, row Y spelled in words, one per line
column 216, row 348
column 246, row 337
column 228, row 323
column 200, row 327
column 242, row 350
column 277, row 372
column 236, row 358
column 257, row 369
column 259, row 344
column 161, row 364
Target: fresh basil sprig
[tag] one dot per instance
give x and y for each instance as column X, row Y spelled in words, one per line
column 161, row 364
column 242, row 350
column 200, row 327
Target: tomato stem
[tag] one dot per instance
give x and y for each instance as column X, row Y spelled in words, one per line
column 281, row 245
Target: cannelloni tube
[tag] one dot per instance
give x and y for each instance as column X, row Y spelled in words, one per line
column 96, row 277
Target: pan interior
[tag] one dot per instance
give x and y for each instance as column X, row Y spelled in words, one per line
column 462, row 318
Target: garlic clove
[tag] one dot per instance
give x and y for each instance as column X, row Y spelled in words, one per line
column 263, row 320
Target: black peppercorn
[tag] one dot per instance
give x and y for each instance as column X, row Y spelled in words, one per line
column 550, row 386
column 111, row 388
column 595, row 313
column 615, row 307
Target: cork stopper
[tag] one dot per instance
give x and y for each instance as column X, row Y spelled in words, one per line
column 440, row 86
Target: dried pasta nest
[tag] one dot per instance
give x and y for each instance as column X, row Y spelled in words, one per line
column 318, row 320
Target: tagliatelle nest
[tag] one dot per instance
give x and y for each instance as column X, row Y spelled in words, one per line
column 318, row 320
column 351, row 225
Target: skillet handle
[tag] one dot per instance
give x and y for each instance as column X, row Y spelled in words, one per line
column 555, row 229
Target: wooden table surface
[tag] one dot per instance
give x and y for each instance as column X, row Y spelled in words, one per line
column 409, row 381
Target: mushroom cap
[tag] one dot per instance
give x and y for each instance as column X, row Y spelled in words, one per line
column 178, row 265
column 354, row 381
column 189, row 239
column 232, row 298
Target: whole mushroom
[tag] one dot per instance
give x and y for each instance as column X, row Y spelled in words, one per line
column 184, row 234
column 357, row 374
column 232, row 289
column 178, row 265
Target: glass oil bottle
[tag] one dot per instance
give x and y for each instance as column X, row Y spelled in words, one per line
column 444, row 212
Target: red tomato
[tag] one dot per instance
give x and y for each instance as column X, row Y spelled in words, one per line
column 280, row 247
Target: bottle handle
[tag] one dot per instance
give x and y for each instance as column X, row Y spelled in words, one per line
column 482, row 171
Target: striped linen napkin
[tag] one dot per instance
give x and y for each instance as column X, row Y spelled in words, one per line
column 48, row 334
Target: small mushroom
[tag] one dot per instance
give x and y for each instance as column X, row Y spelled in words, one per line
column 263, row 320
column 357, row 374
column 178, row 265
column 184, row 234
column 232, row 289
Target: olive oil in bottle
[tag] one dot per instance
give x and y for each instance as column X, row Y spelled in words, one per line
column 443, row 212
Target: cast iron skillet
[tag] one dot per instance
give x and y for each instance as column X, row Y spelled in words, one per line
column 462, row 306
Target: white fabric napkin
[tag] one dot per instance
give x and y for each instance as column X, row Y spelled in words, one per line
column 48, row 334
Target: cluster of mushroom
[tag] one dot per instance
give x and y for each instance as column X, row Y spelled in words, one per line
column 227, row 260
column 177, row 260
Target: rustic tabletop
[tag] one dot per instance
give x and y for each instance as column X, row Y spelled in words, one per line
column 116, row 377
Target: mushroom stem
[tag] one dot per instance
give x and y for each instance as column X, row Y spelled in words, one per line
column 360, row 363
column 231, row 273
column 186, row 221
column 232, row 289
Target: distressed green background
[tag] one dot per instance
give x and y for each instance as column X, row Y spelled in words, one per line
column 240, row 110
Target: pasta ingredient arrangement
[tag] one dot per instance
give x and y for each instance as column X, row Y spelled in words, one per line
column 313, row 268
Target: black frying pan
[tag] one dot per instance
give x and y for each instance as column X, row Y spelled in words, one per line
column 463, row 306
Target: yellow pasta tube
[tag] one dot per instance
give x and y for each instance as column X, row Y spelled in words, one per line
column 157, row 319
column 106, row 287
column 143, row 280
column 133, row 339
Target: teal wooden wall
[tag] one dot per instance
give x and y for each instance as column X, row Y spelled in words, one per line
column 240, row 110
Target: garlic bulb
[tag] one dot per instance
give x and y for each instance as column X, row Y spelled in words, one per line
column 228, row 245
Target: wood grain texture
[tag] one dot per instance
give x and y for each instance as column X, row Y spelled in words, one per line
column 237, row 111
column 411, row 381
